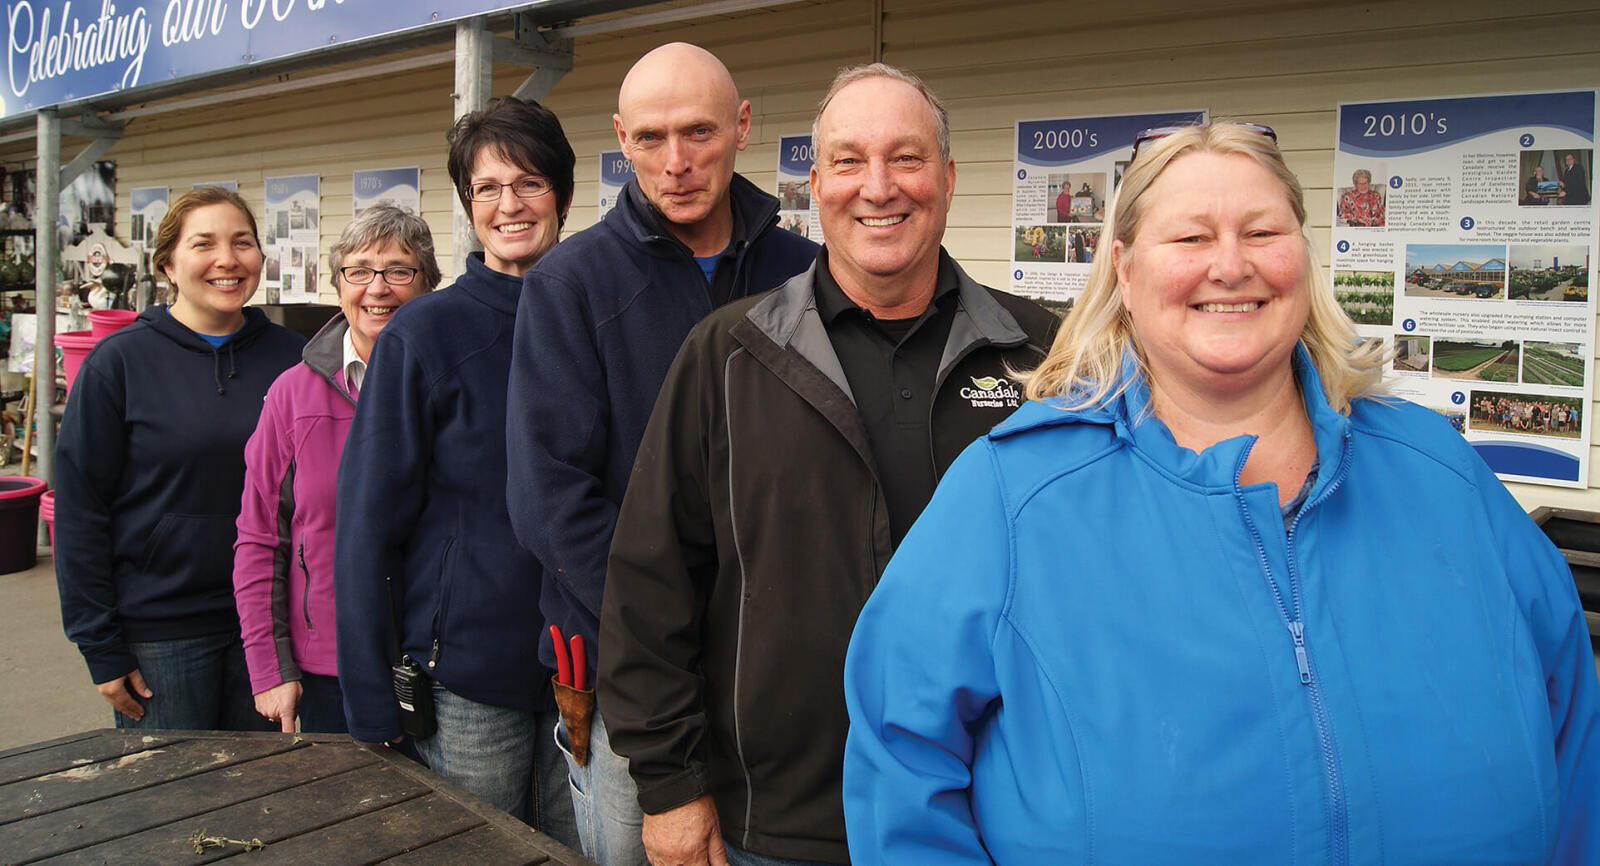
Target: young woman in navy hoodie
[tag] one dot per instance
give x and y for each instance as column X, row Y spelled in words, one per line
column 149, row 470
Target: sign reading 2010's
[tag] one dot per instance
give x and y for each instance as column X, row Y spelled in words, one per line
column 63, row 51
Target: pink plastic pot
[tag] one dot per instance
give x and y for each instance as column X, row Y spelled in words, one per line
column 103, row 322
column 75, row 346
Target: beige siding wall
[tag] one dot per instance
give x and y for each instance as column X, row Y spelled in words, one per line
column 1287, row 64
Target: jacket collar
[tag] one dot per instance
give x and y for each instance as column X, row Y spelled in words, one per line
column 495, row 290
column 756, row 212
column 1136, row 427
column 788, row 316
column 324, row 354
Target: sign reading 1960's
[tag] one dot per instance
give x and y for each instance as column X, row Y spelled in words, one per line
column 60, row 51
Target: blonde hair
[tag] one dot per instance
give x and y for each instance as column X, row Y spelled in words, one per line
column 1084, row 366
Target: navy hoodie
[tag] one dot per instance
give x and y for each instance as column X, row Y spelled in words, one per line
column 149, row 471
column 601, row 318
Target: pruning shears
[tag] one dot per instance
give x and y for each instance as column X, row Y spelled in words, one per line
column 571, row 668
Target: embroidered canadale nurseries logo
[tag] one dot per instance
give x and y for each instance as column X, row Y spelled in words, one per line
column 992, row 393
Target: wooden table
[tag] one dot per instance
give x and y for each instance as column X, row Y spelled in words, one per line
column 148, row 797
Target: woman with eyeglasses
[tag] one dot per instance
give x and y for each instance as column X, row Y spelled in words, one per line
column 422, row 516
column 283, row 559
column 1209, row 598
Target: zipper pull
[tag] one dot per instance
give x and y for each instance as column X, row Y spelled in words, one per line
column 303, row 556
column 1297, row 630
column 433, row 657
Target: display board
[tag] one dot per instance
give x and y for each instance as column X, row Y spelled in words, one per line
column 1464, row 232
column 290, row 238
column 615, row 172
column 1065, row 172
column 797, row 212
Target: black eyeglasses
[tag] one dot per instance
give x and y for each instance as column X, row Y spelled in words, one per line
column 1156, row 132
column 395, row 276
column 528, row 187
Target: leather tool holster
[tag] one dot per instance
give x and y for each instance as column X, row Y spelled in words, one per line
column 577, row 711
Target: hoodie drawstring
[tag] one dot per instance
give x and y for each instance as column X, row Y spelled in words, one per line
column 216, row 367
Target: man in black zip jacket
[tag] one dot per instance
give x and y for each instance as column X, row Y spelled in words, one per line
column 600, row 319
column 797, row 437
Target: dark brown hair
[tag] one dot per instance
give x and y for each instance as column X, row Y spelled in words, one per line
column 525, row 134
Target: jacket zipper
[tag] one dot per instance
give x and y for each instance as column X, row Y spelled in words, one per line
column 1338, row 806
column 305, row 598
column 444, row 598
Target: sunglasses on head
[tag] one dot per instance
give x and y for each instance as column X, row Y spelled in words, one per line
column 1156, row 132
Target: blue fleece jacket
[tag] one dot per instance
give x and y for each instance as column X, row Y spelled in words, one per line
column 1097, row 646
column 421, row 499
column 149, row 469
column 601, row 318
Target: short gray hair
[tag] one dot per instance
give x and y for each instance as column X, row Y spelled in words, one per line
column 851, row 74
column 383, row 222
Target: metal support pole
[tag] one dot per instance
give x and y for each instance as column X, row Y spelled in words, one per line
column 47, row 253
column 474, row 66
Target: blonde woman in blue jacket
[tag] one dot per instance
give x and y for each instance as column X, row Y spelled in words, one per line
column 1207, row 600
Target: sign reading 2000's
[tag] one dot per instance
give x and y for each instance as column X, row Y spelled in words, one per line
column 63, row 51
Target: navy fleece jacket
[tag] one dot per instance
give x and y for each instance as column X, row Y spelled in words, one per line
column 421, row 499
column 601, row 318
column 149, row 470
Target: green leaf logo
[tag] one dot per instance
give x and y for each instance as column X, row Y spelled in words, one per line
column 987, row 383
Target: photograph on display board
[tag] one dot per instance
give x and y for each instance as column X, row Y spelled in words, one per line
column 1558, row 177
column 1483, row 360
column 1412, row 353
column 1456, row 417
column 1361, row 204
column 1549, row 272
column 1076, row 198
column 1552, row 364
column 795, row 195
column 797, row 223
column 1528, row 414
column 1367, row 297
column 1476, row 271
column 1040, row 244
column 1081, row 244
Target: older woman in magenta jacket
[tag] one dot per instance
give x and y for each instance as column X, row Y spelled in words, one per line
column 283, row 559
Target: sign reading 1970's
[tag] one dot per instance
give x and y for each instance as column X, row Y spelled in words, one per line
column 63, row 51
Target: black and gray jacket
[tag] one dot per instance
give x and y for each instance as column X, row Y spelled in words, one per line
column 753, row 530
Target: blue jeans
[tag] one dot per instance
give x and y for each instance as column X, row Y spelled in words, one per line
column 197, row 683
column 321, row 707
column 500, row 755
column 741, row 857
column 604, row 800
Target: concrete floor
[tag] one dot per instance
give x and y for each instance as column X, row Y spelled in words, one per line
column 45, row 690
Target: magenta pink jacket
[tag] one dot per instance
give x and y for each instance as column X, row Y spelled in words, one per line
column 283, row 558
